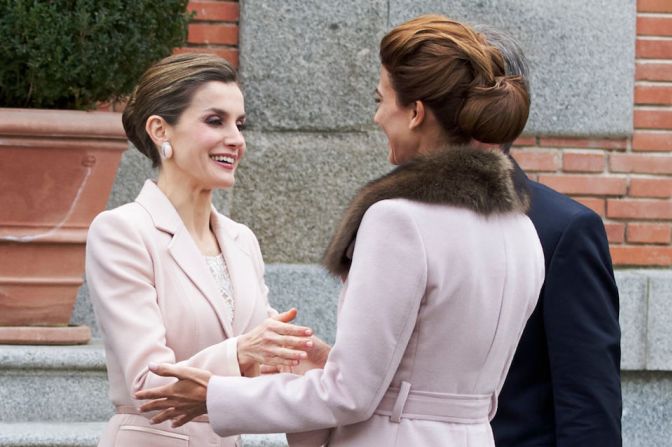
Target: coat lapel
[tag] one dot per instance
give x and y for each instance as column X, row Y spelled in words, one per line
column 239, row 266
column 182, row 248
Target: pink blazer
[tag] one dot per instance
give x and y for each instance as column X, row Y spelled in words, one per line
column 156, row 301
column 430, row 316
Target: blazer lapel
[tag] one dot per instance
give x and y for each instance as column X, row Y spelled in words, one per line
column 183, row 249
column 238, row 262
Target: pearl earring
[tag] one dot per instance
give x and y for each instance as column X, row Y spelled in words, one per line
column 166, row 150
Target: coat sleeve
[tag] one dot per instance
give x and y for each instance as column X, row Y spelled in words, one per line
column 581, row 319
column 120, row 276
column 379, row 308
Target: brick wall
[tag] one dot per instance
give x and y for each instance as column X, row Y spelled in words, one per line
column 214, row 29
column 627, row 181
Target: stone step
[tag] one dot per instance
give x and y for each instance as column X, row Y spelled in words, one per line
column 86, row 434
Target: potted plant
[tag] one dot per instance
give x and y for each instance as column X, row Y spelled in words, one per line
column 57, row 166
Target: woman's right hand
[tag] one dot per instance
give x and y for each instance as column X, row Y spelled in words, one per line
column 274, row 342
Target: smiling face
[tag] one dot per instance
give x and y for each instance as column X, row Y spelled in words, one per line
column 207, row 140
column 395, row 121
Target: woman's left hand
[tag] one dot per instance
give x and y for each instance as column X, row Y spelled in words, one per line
column 181, row 401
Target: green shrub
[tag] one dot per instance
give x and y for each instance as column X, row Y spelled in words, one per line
column 74, row 53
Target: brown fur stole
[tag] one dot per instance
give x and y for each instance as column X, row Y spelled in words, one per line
column 475, row 179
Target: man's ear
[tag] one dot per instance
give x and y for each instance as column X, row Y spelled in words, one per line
column 157, row 129
column 417, row 115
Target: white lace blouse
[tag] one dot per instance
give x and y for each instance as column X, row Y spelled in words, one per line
column 219, row 271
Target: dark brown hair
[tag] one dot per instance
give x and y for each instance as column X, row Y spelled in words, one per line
column 460, row 78
column 166, row 89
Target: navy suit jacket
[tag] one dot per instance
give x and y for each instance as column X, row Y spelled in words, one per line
column 563, row 388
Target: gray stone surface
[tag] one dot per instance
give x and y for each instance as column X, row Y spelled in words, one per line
column 659, row 356
column 134, row 169
column 311, row 290
column 292, row 187
column 53, row 383
column 647, row 409
column 45, row 434
column 86, row 434
column 310, row 65
column 633, row 291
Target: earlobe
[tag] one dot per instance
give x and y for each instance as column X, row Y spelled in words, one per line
column 417, row 115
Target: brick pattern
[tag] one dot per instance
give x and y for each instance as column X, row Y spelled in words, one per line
column 214, row 29
column 626, row 181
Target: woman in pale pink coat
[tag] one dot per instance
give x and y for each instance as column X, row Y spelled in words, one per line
column 442, row 269
column 171, row 279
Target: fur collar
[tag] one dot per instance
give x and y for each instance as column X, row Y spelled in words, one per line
column 475, row 179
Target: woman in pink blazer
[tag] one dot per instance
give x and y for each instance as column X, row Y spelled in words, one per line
column 442, row 269
column 171, row 279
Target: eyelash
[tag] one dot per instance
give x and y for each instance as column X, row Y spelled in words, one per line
column 216, row 122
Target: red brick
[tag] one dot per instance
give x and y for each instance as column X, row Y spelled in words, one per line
column 652, row 140
column 230, row 54
column 639, row 209
column 525, row 141
column 654, row 6
column 648, row 233
column 640, row 256
column 594, row 203
column 653, row 94
column 215, row 11
column 653, row 48
column 585, row 185
column 650, row 118
column 615, row 232
column 651, row 187
column 582, row 162
column 653, row 71
column 641, row 164
column 584, row 143
column 213, row 34
column 654, row 26
column 536, row 160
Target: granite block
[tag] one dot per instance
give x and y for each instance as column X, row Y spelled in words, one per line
column 53, row 383
column 50, row 434
column 581, row 55
column 87, row 434
column 310, row 65
column 659, row 353
column 292, row 187
column 311, row 290
column 633, row 291
column 647, row 409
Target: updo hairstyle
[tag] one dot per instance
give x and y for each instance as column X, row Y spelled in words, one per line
column 166, row 89
column 458, row 76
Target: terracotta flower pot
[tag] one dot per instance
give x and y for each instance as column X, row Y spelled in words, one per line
column 56, row 172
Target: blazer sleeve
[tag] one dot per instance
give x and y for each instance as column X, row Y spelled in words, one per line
column 379, row 307
column 120, row 276
column 581, row 307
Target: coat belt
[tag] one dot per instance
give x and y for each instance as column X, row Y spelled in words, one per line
column 405, row 403
column 127, row 409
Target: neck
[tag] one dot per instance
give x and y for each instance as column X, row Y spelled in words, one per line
column 194, row 205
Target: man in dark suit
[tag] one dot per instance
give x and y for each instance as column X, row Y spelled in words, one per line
column 563, row 388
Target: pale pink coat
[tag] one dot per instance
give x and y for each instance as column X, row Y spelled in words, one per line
column 156, row 301
column 436, row 300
